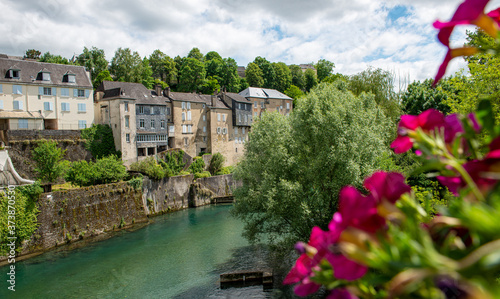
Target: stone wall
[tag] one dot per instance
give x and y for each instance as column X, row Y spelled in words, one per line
column 168, row 194
column 21, row 135
column 204, row 190
column 66, row 216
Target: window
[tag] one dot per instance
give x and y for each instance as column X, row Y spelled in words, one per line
column 152, row 110
column 183, row 116
column 1, row 104
column 141, row 109
column 218, row 130
column 236, row 131
column 204, row 129
column 162, row 124
column 82, row 124
column 281, row 108
column 141, row 123
column 224, row 131
column 22, row 124
column 80, row 93
column 239, row 117
column 287, row 106
column 184, row 129
column 185, row 141
column 70, row 78
column 203, row 106
column 218, row 116
column 168, row 110
column 189, row 115
column 183, row 105
column 64, row 92
column 152, row 124
column 255, row 114
column 126, row 106
column 204, row 139
column 239, row 139
column 243, row 131
column 188, row 106
column 204, row 117
column 255, row 104
column 18, row 105
column 45, row 76
column 223, row 117
column 239, row 106
column 246, row 118
column 127, row 121
column 262, row 105
column 47, row 91
column 127, row 137
column 82, row 107
column 13, row 74
column 1, row 88
column 171, row 129
column 48, row 106
column 190, row 128
column 17, row 89
column 162, row 110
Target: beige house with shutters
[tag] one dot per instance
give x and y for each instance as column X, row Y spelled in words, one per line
column 44, row 96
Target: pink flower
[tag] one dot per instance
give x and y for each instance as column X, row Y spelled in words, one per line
column 469, row 12
column 341, row 294
column 427, row 121
column 358, row 211
column 387, row 185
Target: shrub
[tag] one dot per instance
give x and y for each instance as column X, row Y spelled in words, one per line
column 216, row 163
column 184, row 173
column 104, row 171
column 100, row 141
column 198, row 165
column 173, row 162
column 48, row 161
column 150, row 168
column 203, row 174
column 136, row 182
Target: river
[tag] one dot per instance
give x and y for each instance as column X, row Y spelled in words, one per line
column 179, row 255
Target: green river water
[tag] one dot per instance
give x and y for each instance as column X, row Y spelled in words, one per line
column 180, row 255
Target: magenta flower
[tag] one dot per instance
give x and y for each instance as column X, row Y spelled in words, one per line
column 341, row 294
column 302, row 272
column 387, row 185
column 427, row 121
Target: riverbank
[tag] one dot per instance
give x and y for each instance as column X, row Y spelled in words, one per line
column 91, row 213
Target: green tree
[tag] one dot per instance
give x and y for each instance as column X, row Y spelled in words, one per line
column 197, row 166
column 294, row 167
column 216, row 163
column 298, row 78
column 94, row 60
column 162, row 66
column 47, row 57
column 106, row 170
column 32, row 54
column 324, row 68
column 212, row 55
column 420, row 96
column 283, row 76
column 229, row 75
column 101, row 77
column 129, row 67
column 99, row 141
column 210, row 86
column 268, row 73
column 381, row 84
column 196, row 54
column 48, row 157
column 311, row 79
column 294, row 92
column 253, row 75
column 192, row 75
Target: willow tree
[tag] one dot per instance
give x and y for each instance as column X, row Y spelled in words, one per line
column 294, row 167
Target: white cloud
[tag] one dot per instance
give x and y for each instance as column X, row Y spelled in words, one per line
column 354, row 34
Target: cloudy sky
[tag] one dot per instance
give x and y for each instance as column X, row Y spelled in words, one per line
column 395, row 35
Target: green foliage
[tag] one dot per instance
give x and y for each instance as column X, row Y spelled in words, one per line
column 101, row 77
column 198, row 165
column 192, row 75
column 32, row 54
column 324, row 68
column 310, row 79
column 254, row 75
column 420, row 96
column 225, row 170
column 162, row 67
column 183, row 173
column 95, row 61
column 106, row 170
column 173, row 162
column 268, row 72
column 295, row 166
column 49, row 58
column 283, row 76
column 195, row 53
column 216, row 163
column 136, row 182
column 25, row 221
column 127, row 66
column 298, row 77
column 100, row 141
column 294, row 92
column 31, row 192
column 47, row 157
column 150, row 167
column 203, row 174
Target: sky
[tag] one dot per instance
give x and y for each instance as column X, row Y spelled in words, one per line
column 395, row 35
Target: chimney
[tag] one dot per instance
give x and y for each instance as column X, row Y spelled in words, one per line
column 158, row 89
column 166, row 92
column 214, row 99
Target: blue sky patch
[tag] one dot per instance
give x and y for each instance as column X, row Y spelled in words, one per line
column 397, row 12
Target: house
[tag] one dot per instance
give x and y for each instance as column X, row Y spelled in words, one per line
column 140, row 118
column 44, row 96
column 267, row 100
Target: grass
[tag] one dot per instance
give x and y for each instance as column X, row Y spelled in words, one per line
column 65, row 186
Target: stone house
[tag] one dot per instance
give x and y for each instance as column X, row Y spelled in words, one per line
column 44, row 96
column 267, row 100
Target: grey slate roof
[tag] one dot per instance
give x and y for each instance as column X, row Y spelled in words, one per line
column 237, row 97
column 263, row 93
column 128, row 90
column 190, row 97
column 29, row 70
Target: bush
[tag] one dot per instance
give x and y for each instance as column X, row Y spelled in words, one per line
column 198, row 165
column 225, row 170
column 104, row 171
column 173, row 162
column 150, row 168
column 204, row 174
column 184, row 173
column 216, row 163
column 100, row 141
column 48, row 161
column 136, row 182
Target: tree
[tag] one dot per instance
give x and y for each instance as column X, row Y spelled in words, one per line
column 420, row 96
column 253, row 75
column 283, row 76
column 129, row 67
column 101, row 77
column 106, row 170
column 210, row 86
column 311, row 79
column 294, row 167
column 381, row 84
column 32, row 54
column 212, row 55
column 99, row 141
column 95, row 61
column 48, row 157
column 268, row 73
column 192, row 75
column 162, row 66
column 324, row 68
column 229, row 74
column 47, row 57
column 298, row 78
column 294, row 92
column 216, row 163
column 196, row 54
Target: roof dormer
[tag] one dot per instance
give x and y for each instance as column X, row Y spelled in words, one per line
column 69, row 78
column 43, row 75
column 13, row 73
